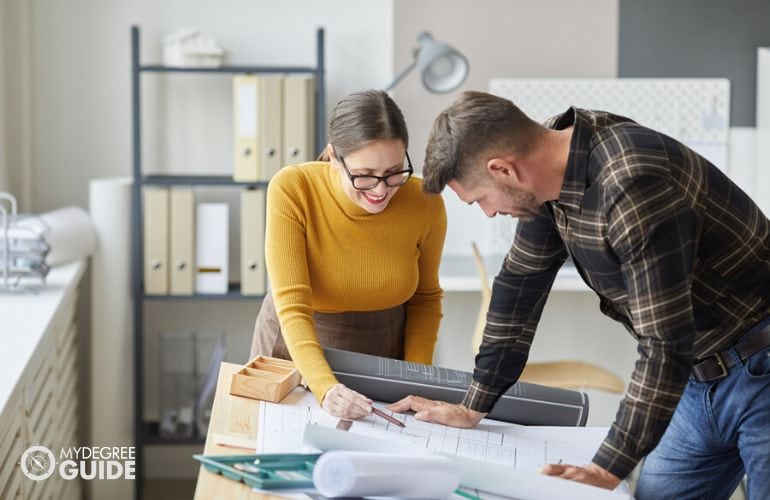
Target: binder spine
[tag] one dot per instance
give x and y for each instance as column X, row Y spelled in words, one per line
column 182, row 244
column 156, row 241
column 253, row 274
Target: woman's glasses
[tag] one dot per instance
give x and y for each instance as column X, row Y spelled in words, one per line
column 367, row 182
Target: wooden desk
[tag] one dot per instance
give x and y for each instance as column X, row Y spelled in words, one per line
column 235, row 417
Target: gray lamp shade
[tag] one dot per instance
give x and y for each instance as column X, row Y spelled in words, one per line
column 442, row 68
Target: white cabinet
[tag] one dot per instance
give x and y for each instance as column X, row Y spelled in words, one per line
column 39, row 388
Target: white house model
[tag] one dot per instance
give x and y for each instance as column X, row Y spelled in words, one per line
column 190, row 47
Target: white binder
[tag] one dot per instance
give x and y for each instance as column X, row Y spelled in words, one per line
column 211, row 246
column 298, row 119
column 253, row 242
column 155, row 241
column 182, row 242
column 258, row 129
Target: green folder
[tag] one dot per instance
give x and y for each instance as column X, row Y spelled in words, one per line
column 266, row 472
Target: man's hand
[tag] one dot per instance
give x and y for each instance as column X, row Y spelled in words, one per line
column 590, row 474
column 455, row 415
column 342, row 402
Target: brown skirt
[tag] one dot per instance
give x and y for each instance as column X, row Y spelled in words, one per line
column 380, row 333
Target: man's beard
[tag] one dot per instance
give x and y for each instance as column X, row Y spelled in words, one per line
column 524, row 201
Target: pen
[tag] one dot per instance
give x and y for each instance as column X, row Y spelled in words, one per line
column 387, row 417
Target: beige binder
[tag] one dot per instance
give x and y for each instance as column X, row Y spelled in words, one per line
column 155, row 241
column 298, row 119
column 269, row 125
column 253, row 242
column 182, row 242
column 257, row 126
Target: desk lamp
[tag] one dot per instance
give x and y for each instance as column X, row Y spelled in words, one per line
column 441, row 67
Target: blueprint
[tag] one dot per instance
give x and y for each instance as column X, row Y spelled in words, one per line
column 494, row 457
column 282, row 427
column 388, row 380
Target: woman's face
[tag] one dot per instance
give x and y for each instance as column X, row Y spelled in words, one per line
column 378, row 158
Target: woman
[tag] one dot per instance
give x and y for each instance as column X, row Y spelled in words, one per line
column 353, row 248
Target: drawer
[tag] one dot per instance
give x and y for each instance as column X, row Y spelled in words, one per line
column 40, row 405
column 11, row 448
column 11, row 489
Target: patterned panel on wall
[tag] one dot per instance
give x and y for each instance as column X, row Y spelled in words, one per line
column 694, row 111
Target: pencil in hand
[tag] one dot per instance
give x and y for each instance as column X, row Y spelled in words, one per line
column 387, row 417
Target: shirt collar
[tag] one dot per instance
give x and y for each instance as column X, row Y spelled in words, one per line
column 576, row 175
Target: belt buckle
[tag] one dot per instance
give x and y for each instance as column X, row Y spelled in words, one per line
column 722, row 366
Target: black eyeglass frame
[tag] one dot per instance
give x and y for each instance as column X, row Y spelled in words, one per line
column 384, row 179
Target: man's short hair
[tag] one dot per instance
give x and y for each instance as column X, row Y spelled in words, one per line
column 477, row 123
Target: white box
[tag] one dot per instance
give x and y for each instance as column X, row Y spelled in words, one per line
column 211, row 247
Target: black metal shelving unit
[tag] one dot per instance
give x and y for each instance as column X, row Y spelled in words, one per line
column 146, row 432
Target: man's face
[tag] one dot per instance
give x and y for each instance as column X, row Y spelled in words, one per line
column 498, row 199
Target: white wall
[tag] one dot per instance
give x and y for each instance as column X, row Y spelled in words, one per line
column 4, row 185
column 761, row 188
column 501, row 39
column 14, row 92
column 80, row 91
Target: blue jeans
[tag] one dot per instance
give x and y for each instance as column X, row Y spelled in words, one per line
column 719, row 432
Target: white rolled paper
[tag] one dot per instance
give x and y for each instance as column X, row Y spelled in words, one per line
column 356, row 474
column 112, row 368
column 72, row 235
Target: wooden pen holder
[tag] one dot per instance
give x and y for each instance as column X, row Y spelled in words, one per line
column 265, row 378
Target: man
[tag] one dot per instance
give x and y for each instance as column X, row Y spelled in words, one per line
column 676, row 252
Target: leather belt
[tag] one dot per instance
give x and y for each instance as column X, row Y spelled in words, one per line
column 717, row 365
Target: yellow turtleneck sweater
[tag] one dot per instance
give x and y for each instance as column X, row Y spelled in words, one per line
column 325, row 253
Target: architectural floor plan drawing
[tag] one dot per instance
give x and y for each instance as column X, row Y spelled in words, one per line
column 497, row 459
column 524, row 448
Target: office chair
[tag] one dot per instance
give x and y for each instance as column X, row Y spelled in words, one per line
column 568, row 374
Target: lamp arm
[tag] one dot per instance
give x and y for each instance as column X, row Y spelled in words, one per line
column 401, row 75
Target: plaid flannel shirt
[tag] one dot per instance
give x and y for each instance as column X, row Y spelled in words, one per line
column 675, row 251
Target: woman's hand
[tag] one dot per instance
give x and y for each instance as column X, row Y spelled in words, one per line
column 342, row 402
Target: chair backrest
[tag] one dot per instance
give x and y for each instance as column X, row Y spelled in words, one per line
column 569, row 374
column 486, row 296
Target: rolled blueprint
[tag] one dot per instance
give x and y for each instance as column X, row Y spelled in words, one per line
column 71, row 235
column 388, row 380
column 357, row 474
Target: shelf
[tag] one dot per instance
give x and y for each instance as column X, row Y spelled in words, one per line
column 458, row 274
column 151, row 435
column 233, row 293
column 147, row 432
column 198, row 180
column 159, row 68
